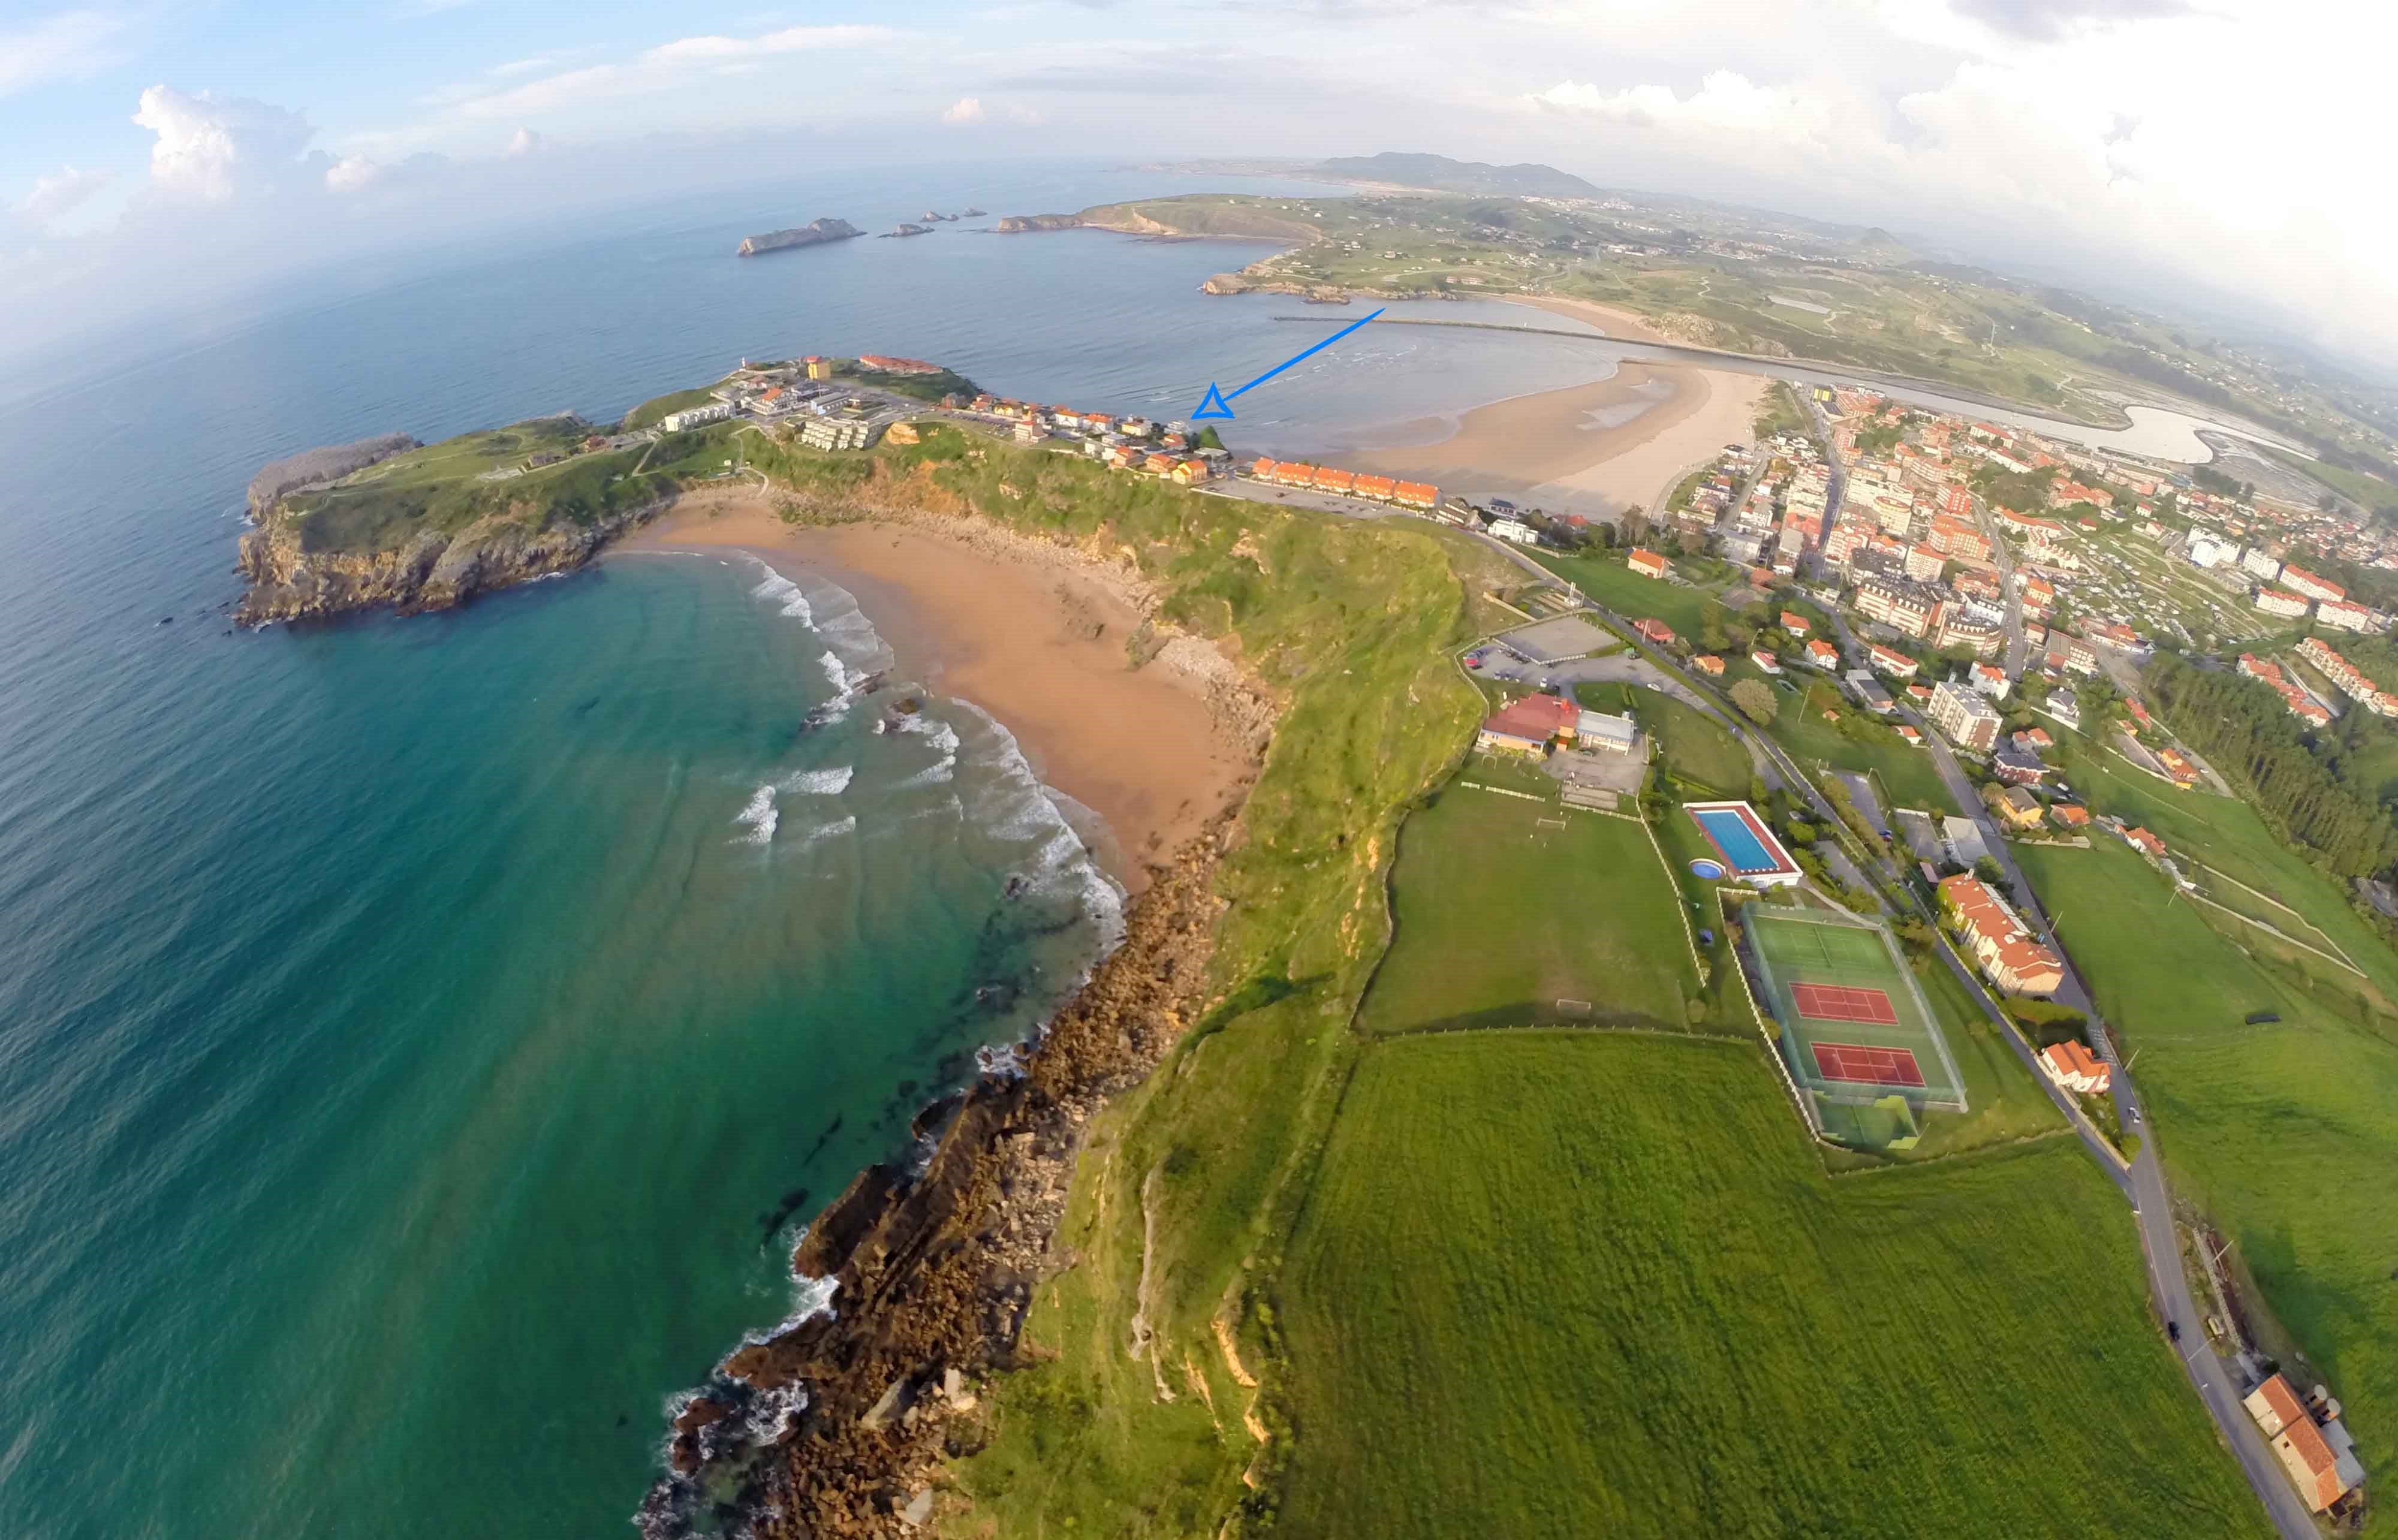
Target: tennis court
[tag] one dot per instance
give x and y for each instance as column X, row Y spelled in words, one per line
column 1854, row 1027
column 1837, row 1003
column 1865, row 1066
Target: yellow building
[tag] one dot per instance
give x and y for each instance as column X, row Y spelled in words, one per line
column 818, row 368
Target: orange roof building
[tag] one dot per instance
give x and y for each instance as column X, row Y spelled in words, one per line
column 1415, row 494
column 1329, row 480
column 2000, row 941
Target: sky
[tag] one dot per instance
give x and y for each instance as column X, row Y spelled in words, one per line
column 2209, row 153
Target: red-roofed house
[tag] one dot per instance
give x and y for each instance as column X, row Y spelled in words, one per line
column 2305, row 1454
column 1708, row 664
column 1895, row 664
column 2065, row 814
column 2076, row 1069
column 2145, row 843
column 1648, row 563
column 1527, row 726
column 2000, row 942
column 1655, row 630
column 1765, row 660
column 1795, row 623
column 1823, row 654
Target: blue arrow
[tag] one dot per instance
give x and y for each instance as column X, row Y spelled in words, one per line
column 1215, row 403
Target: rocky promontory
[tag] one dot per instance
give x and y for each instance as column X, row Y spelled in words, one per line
column 433, row 571
column 814, row 233
column 316, row 467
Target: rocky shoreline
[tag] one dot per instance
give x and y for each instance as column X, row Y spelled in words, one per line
column 433, row 572
column 838, row 1425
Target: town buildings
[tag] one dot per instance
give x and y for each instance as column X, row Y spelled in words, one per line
column 1965, row 715
column 697, row 416
column 1903, row 607
column 2000, row 942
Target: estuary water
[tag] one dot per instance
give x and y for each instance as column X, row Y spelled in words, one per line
column 420, row 1039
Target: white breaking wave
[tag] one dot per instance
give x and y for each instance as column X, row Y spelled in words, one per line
column 944, row 738
column 758, row 816
column 823, row 831
column 783, row 594
column 821, row 783
column 1019, row 805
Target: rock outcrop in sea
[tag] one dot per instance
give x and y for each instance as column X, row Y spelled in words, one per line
column 814, row 232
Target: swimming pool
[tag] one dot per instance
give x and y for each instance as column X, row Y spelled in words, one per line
column 1741, row 838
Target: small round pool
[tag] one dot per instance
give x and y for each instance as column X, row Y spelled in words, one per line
column 1707, row 871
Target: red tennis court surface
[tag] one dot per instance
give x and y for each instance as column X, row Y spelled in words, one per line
column 1872, row 1066
column 1844, row 1003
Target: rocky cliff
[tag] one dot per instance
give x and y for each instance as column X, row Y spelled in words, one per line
column 814, row 233
column 933, row 1270
column 431, row 571
column 313, row 467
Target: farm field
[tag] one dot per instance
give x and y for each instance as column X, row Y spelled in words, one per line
column 1503, row 907
column 2270, row 1128
column 1905, row 774
column 1582, row 1283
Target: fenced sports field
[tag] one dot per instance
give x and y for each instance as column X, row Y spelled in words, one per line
column 1854, row 1028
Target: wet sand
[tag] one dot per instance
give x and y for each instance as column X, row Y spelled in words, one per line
column 1039, row 645
column 1582, row 447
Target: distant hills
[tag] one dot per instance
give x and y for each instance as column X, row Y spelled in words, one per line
column 1440, row 174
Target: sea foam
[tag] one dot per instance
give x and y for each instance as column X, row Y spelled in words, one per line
column 758, row 816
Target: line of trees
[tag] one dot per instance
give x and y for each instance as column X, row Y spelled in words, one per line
column 2243, row 727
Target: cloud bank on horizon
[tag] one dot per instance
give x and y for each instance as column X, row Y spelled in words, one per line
column 2214, row 150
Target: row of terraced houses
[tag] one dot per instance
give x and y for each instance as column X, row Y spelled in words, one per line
column 1345, row 483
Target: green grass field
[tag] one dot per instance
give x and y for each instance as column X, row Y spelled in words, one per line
column 1632, row 1305
column 1500, row 914
column 1609, row 582
column 1695, row 746
column 1905, row 774
column 2273, row 1128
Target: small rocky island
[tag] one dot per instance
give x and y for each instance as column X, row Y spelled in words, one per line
column 903, row 231
column 814, row 233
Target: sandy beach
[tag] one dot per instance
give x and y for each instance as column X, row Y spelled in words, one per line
column 1038, row 644
column 1594, row 448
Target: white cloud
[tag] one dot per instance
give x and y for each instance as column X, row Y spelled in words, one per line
column 524, row 142
column 1726, row 102
column 56, row 196
column 57, row 46
column 521, row 66
column 213, row 148
column 788, row 40
column 965, row 109
column 351, row 174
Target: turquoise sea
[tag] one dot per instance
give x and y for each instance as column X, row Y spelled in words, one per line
column 420, row 1040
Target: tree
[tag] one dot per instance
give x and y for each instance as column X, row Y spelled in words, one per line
column 1755, row 702
column 1989, row 870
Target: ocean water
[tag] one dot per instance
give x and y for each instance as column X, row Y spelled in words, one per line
column 421, row 1038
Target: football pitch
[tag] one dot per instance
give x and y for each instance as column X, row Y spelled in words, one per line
column 1855, row 1029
